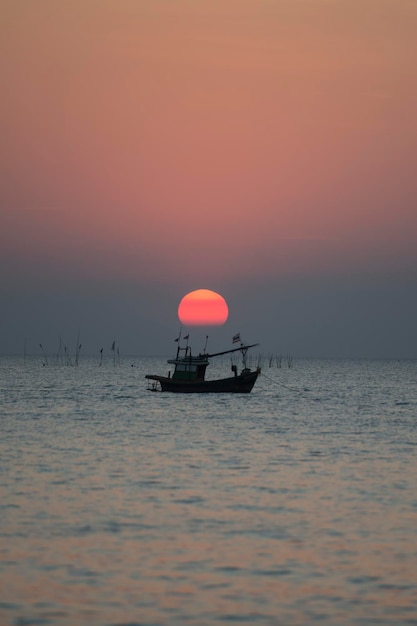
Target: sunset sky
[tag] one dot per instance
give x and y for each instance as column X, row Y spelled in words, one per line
column 264, row 149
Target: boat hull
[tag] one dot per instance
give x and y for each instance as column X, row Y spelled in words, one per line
column 235, row 384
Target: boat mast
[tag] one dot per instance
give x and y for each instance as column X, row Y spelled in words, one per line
column 178, row 341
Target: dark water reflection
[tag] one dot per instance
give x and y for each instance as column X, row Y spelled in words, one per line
column 294, row 505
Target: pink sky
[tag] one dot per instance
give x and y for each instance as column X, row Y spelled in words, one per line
column 278, row 134
column 201, row 142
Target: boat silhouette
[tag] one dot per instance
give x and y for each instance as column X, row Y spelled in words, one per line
column 189, row 374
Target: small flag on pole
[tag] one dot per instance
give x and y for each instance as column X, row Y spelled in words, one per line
column 177, row 339
column 236, row 338
column 186, row 337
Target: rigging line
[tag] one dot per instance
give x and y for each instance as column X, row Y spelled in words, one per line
column 282, row 384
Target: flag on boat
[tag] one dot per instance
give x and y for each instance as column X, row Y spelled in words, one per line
column 236, row 338
column 186, row 337
column 177, row 339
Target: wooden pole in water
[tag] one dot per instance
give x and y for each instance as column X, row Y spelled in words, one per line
column 44, row 353
column 77, row 348
column 59, row 354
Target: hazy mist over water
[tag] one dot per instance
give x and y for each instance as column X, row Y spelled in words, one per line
column 293, row 505
column 306, row 316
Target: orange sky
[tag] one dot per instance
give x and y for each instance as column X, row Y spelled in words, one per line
column 206, row 143
column 272, row 134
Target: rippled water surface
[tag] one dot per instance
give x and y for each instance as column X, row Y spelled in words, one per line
column 296, row 504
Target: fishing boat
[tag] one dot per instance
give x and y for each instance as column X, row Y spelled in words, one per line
column 189, row 374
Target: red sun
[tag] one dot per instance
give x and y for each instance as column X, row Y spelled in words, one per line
column 203, row 307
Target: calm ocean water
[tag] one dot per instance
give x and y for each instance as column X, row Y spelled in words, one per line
column 294, row 505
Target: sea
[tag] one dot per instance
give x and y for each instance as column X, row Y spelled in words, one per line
column 293, row 505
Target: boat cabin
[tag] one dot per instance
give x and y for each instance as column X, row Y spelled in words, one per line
column 189, row 367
